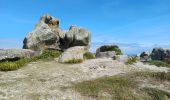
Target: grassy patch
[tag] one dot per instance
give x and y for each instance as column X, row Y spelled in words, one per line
column 158, row 63
column 74, row 61
column 14, row 65
column 124, row 87
column 120, row 88
column 157, row 94
column 131, row 60
column 88, row 55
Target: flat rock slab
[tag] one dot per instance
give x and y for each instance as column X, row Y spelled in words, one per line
column 15, row 53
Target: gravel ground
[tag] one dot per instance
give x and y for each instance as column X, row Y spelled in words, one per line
column 46, row 80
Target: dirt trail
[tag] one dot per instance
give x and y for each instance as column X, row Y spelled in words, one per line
column 46, row 80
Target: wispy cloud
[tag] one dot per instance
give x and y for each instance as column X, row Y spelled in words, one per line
column 7, row 43
column 16, row 19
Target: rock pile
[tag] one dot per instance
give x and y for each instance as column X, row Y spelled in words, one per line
column 156, row 54
column 48, row 35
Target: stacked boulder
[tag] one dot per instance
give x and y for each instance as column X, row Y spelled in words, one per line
column 48, row 35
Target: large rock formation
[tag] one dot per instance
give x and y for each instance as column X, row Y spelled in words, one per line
column 73, row 53
column 158, row 54
column 48, row 35
column 15, row 53
column 108, row 51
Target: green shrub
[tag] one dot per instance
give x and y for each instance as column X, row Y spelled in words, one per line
column 14, row 65
column 117, row 50
column 114, row 57
column 131, row 60
column 88, row 55
column 74, row 61
column 158, row 63
column 9, row 66
column 49, row 53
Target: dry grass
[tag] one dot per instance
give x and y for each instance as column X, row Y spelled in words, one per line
column 124, row 87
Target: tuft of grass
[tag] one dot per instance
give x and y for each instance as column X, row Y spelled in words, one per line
column 88, row 55
column 10, row 66
column 49, row 54
column 158, row 63
column 119, row 87
column 14, row 65
column 157, row 94
column 131, row 60
column 74, row 61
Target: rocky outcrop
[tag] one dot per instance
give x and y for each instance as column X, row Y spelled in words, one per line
column 48, row 35
column 15, row 53
column 145, row 56
column 73, row 53
column 106, row 54
column 158, row 54
column 108, row 51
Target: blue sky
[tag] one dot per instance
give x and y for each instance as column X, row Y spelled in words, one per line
column 142, row 22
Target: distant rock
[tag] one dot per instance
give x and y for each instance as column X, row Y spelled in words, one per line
column 158, row 54
column 145, row 56
column 108, row 51
column 107, row 54
column 15, row 53
column 73, row 53
column 48, row 35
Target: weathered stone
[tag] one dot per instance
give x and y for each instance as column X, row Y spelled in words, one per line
column 15, row 53
column 158, row 54
column 48, row 35
column 122, row 58
column 73, row 53
column 108, row 51
column 107, row 54
column 145, row 56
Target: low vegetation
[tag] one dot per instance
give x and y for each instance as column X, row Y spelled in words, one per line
column 157, row 94
column 124, row 87
column 131, row 60
column 88, row 55
column 117, row 50
column 158, row 63
column 74, row 61
column 9, row 65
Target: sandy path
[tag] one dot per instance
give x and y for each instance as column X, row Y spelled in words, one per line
column 46, row 80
